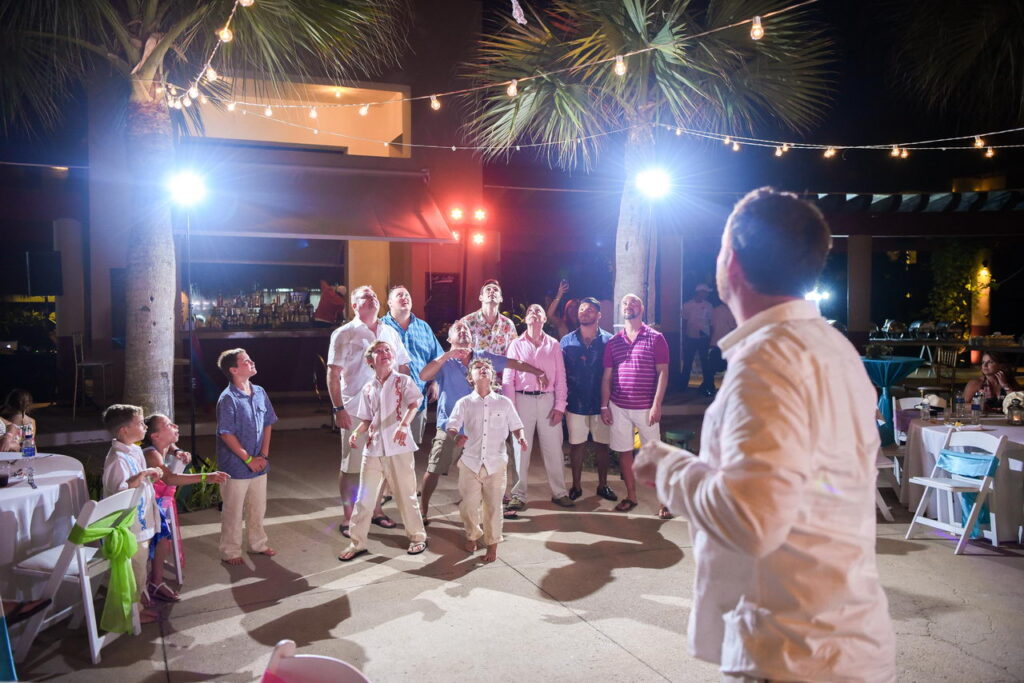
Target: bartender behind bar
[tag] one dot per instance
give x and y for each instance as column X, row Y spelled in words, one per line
column 333, row 304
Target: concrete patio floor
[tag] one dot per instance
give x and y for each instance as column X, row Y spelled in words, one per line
column 579, row 595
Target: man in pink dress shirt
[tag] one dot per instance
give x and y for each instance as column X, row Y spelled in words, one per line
column 540, row 408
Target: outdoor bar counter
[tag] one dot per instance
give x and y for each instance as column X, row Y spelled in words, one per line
column 287, row 360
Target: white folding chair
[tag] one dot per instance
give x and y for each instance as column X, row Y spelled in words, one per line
column 287, row 667
column 78, row 564
column 899, row 404
column 964, row 472
column 883, row 464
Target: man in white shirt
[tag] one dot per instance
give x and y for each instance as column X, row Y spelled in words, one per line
column 486, row 418
column 781, row 498
column 347, row 374
column 696, row 315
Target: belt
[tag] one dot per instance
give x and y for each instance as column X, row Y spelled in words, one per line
column 532, row 393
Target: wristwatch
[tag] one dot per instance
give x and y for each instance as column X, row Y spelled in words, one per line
column 338, row 409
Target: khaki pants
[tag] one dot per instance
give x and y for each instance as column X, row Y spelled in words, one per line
column 244, row 500
column 482, row 489
column 400, row 473
column 533, row 411
column 140, row 567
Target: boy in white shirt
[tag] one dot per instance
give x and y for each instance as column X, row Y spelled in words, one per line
column 387, row 405
column 125, row 468
column 486, row 417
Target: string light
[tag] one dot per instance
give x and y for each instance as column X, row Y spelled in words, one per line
column 246, row 3
column 312, row 113
column 989, row 153
column 727, row 140
column 904, row 153
column 785, row 146
column 364, row 110
column 211, row 74
column 735, row 146
column 187, row 101
column 225, row 35
column 620, row 66
column 193, row 92
column 316, row 132
column 830, row 152
column 778, row 151
column 337, row 92
column 231, row 106
column 268, row 112
column 203, row 99
column 895, row 151
column 978, row 142
column 177, row 104
column 679, row 131
column 513, row 88
column 756, row 29
column 435, row 103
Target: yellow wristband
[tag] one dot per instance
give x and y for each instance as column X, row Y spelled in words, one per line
column 248, row 460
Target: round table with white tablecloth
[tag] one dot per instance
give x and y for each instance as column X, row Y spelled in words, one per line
column 924, row 441
column 34, row 519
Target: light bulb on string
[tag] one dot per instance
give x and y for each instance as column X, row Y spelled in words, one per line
column 225, row 35
column 756, row 29
column 268, row 112
column 989, row 153
column 203, row 99
column 246, row 3
column 337, row 92
column 159, row 90
column 904, row 153
column 727, row 140
column 177, row 104
column 364, row 110
column 978, row 142
column 620, row 66
column 187, row 101
column 312, row 113
column 679, row 131
column 895, row 151
column 316, row 132
column 735, row 146
column 778, row 151
column 387, row 144
column 435, row 103
column 513, row 88
column 211, row 74
column 231, row 106
column 193, row 92
column 785, row 146
column 830, row 152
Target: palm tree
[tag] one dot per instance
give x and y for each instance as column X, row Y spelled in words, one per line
column 50, row 47
column 722, row 81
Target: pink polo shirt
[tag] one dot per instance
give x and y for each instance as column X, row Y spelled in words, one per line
column 548, row 357
column 635, row 375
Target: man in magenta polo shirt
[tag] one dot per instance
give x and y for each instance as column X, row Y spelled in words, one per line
column 632, row 389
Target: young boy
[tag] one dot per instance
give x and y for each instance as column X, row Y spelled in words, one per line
column 125, row 468
column 244, row 419
column 486, row 417
column 387, row 405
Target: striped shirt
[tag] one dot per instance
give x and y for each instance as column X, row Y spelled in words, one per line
column 635, row 375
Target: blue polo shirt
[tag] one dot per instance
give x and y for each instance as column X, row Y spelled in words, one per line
column 245, row 417
column 584, row 366
column 422, row 345
column 453, row 383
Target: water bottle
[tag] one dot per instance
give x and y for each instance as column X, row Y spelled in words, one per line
column 925, row 409
column 976, row 408
column 959, row 407
column 28, row 441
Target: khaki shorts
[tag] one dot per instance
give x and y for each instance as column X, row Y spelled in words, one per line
column 443, row 453
column 351, row 458
column 623, row 423
column 580, row 426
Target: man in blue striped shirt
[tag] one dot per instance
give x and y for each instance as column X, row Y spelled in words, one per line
column 421, row 344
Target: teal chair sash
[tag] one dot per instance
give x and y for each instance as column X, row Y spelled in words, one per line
column 973, row 464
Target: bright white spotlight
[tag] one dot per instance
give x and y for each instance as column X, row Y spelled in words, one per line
column 817, row 295
column 654, row 182
column 186, row 188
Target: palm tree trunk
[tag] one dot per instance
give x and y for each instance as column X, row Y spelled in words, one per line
column 635, row 238
column 149, row 345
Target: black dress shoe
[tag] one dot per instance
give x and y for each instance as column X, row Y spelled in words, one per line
column 575, row 493
column 607, row 493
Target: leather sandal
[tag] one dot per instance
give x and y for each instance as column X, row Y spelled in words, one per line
column 625, row 505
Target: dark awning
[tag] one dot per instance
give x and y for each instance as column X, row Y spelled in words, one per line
column 316, row 202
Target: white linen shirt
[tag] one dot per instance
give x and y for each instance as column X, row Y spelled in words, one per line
column 781, row 502
column 123, row 462
column 348, row 344
column 384, row 405
column 486, row 421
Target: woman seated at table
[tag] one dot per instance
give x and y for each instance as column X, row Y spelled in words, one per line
column 996, row 381
column 158, row 444
column 15, row 411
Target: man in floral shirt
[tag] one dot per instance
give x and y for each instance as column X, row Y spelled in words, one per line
column 492, row 332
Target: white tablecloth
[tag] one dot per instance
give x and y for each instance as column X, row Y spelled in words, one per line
column 32, row 520
column 924, row 441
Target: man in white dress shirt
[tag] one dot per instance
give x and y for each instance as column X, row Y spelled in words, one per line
column 781, row 498
column 347, row 374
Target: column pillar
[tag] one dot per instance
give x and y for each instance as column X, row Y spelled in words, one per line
column 858, row 289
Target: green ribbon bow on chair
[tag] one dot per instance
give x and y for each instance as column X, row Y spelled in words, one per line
column 118, row 547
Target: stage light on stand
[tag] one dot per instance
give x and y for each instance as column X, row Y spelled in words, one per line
column 456, row 214
column 479, row 215
column 478, row 239
column 186, row 188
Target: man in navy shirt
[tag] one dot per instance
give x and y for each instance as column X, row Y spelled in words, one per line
column 583, row 349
